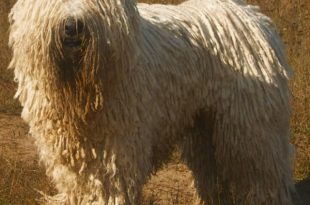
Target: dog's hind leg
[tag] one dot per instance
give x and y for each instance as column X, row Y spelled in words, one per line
column 198, row 152
column 252, row 154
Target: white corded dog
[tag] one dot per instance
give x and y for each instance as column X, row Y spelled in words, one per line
column 110, row 87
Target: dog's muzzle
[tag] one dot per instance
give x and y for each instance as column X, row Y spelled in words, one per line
column 73, row 31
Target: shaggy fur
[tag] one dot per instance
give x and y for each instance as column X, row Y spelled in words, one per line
column 207, row 75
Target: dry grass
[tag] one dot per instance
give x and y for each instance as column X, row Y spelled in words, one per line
column 20, row 174
column 7, row 87
column 19, row 180
column 172, row 185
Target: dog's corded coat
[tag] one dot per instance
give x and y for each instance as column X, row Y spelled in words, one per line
column 208, row 75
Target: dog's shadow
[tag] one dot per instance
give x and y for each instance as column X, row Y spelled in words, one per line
column 303, row 192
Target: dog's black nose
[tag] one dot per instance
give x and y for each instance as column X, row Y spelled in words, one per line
column 73, row 27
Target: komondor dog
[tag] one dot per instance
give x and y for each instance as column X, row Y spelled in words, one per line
column 110, row 87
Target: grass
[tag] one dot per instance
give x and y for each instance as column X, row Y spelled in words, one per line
column 19, row 181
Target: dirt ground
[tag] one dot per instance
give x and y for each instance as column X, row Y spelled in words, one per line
column 23, row 175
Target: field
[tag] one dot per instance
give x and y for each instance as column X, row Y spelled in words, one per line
column 21, row 176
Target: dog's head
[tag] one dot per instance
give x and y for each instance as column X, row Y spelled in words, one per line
column 63, row 50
